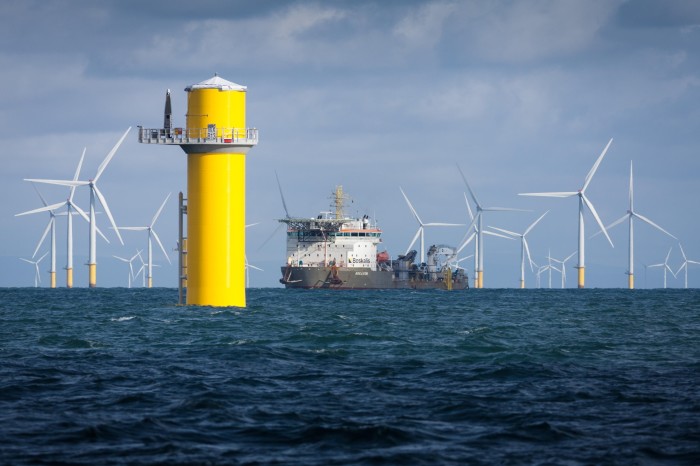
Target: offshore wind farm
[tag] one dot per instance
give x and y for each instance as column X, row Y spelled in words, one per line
column 511, row 130
column 345, row 146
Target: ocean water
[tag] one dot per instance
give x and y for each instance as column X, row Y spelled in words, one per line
column 119, row 376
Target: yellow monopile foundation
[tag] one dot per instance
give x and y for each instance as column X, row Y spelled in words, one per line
column 216, row 141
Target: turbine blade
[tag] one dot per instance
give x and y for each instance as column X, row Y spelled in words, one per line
column 435, row 224
column 491, row 233
column 612, row 225
column 284, row 204
column 589, row 177
column 466, row 242
column 551, row 194
column 644, row 219
column 48, row 208
column 410, row 206
column 469, row 209
column 682, row 252
column 469, row 188
column 597, row 218
column 103, row 201
column 504, row 231
column 155, row 235
column 502, row 209
column 155, row 217
column 121, row 259
column 107, row 159
column 80, row 211
column 58, row 182
column 134, row 228
column 532, row 225
column 414, row 239
column 77, row 174
column 527, row 250
column 43, row 201
column 41, row 241
column 631, row 189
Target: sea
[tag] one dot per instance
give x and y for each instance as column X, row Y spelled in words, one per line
column 321, row 377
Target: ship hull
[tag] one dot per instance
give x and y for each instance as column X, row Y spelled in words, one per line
column 359, row 279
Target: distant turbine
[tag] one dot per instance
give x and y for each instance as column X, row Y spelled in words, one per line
column 421, row 229
column 50, row 226
column 249, row 266
column 686, row 261
column 70, row 207
column 94, row 193
column 152, row 234
column 477, row 224
column 131, row 267
column 524, row 248
column 563, row 268
column 37, row 274
column 664, row 264
column 582, row 201
column 630, row 215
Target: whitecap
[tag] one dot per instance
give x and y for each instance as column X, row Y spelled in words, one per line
column 122, row 319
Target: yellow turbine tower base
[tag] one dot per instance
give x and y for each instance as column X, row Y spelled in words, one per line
column 481, row 279
column 631, row 281
column 69, row 278
column 150, row 282
column 522, row 284
column 581, row 275
column 53, row 279
column 92, row 273
column 216, row 229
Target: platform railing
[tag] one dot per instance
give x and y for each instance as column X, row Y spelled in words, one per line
column 198, row 135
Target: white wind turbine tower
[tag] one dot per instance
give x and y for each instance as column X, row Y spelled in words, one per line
column 686, row 261
column 70, row 207
column 152, row 234
column 563, row 267
column 94, row 193
column 582, row 201
column 131, row 267
column 421, row 229
column 477, row 224
column 524, row 248
column 630, row 216
column 664, row 264
column 37, row 274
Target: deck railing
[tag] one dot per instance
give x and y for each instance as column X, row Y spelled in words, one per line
column 245, row 136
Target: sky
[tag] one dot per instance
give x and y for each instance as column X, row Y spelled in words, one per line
column 374, row 96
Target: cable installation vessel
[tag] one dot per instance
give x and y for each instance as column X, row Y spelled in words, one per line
column 338, row 252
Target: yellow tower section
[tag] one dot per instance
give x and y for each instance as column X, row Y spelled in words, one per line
column 216, row 142
column 216, row 196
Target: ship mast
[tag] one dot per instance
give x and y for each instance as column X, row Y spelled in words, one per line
column 339, row 202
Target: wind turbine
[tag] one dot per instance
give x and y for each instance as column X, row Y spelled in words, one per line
column 50, row 226
column 664, row 264
column 37, row 274
column 524, row 248
column 630, row 216
column 582, row 201
column 70, row 207
column 94, row 193
column 686, row 261
column 477, row 223
column 152, row 234
column 563, row 267
column 421, row 229
column 131, row 267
